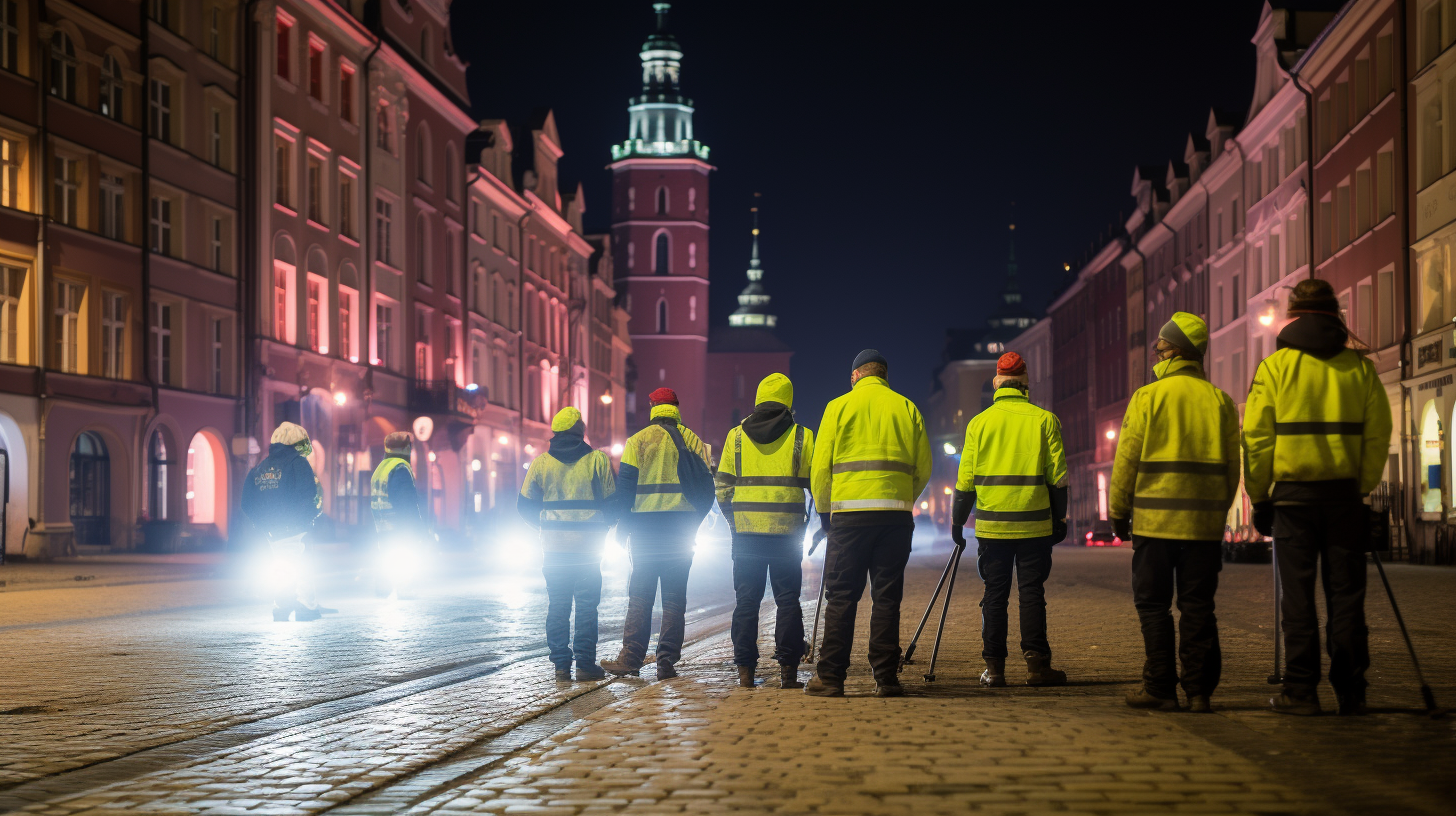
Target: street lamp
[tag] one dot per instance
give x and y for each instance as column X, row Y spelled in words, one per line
column 340, row 398
column 1111, row 434
column 949, row 449
column 606, row 399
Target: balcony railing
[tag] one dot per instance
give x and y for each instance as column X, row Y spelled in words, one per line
column 442, row 397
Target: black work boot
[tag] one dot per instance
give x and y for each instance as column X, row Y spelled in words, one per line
column 890, row 688
column 665, row 671
column 563, row 675
column 1297, row 702
column 589, row 672
column 789, row 676
column 1039, row 671
column 823, row 688
column 1142, row 698
column 745, row 677
column 1352, row 704
column 995, row 674
column 1199, row 704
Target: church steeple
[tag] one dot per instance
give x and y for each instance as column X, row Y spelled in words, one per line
column 661, row 119
column 754, row 299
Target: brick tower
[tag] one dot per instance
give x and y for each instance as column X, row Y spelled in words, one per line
column 660, row 234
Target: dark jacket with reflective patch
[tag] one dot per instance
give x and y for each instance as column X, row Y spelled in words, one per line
column 282, row 496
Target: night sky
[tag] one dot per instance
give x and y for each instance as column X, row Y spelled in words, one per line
column 889, row 142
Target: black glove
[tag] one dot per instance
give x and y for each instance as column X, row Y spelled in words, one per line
column 958, row 534
column 824, row 522
column 1264, row 518
column 1059, row 531
column 1122, row 528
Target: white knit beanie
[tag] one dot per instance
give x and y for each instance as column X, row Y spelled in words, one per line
column 289, row 434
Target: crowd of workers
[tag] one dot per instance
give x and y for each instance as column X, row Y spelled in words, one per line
column 1315, row 438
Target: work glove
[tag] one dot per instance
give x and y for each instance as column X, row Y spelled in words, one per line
column 1122, row 528
column 958, row 535
column 1059, row 531
column 1264, row 518
column 824, row 523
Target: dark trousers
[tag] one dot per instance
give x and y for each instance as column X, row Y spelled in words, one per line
column 1161, row 567
column 854, row 553
column 568, row 581
column 786, row 579
column 670, row 569
column 1032, row 560
column 1329, row 539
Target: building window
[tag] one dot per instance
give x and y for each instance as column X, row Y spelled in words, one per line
column 214, row 33
column 662, row 201
column 346, row 93
column 113, row 207
column 158, row 463
column 422, row 249
column 9, row 34
column 215, row 140
column 346, row 204
column 452, row 274
column 162, row 225
column 214, row 249
column 348, row 302
column 161, row 110
column 282, row 171
column 383, row 216
column 662, row 317
column 316, row 338
column 382, row 136
column 1384, row 185
column 422, row 156
column 63, row 66
column 12, row 279
column 9, row 170
column 1385, row 294
column 161, row 331
column 660, row 264
column 452, row 191
column 113, row 336
column 160, row 10
column 284, row 45
column 422, row 345
column 68, row 327
column 316, row 70
column 65, row 206
column 216, row 358
column 280, row 303
column 112, row 89
column 315, row 189
column 383, row 334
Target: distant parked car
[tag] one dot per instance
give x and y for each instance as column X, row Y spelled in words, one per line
column 1245, row 544
column 1101, row 535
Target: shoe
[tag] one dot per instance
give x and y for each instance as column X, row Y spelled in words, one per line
column 995, row 674
column 789, row 676
column 281, row 615
column 665, row 671
column 820, row 688
column 745, row 677
column 1141, row 698
column 303, row 613
column 589, row 673
column 1300, row 705
column 1198, row 704
column 621, row 667
column 889, row 690
column 1352, row 705
column 563, row 675
column 1039, row 671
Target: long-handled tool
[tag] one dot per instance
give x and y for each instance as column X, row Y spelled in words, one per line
column 1427, row 697
column 944, row 609
column 948, row 573
column 819, row 536
column 1278, row 676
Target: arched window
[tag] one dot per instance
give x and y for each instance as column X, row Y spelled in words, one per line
column 659, row 257
column 425, row 45
column 63, row 66
column 452, row 191
column 422, row 248
column 422, row 155
column 202, row 492
column 157, row 469
column 382, row 130
column 90, row 491
column 112, row 89
column 662, row 201
column 662, row 316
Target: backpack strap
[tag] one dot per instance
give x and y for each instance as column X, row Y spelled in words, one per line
column 798, row 448
column 738, row 453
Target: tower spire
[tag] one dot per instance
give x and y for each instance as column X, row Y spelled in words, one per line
column 754, row 299
column 661, row 119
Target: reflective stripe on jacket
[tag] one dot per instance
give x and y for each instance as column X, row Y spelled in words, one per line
column 1312, row 420
column 1013, row 452
column 1177, row 466
column 390, row 513
column 871, row 452
column 762, row 488
column 649, row 465
column 572, row 500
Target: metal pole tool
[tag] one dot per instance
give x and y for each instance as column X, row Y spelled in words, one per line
column 952, row 566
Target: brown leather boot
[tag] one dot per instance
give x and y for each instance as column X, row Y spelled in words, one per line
column 789, row 676
column 745, row 677
column 995, row 674
column 623, row 665
column 1039, row 671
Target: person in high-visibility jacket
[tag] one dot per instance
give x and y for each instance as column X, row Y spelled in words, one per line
column 567, row 496
column 1316, row 439
column 763, row 484
column 282, row 497
column 1014, row 474
column 1175, row 475
column 871, row 462
column 661, row 527
column 393, row 499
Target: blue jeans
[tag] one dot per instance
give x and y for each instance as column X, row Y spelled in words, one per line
column 567, row 581
column 786, row 579
column 1032, row 560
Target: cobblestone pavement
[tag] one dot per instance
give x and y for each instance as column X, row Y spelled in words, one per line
column 511, row 740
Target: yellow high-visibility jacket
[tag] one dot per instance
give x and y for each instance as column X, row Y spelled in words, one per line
column 1177, row 466
column 871, row 452
column 1013, row 454
column 392, row 496
column 1311, row 421
column 569, row 502
column 649, row 465
column 762, row 488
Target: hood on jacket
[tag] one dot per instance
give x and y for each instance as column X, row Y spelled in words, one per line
column 775, row 388
column 667, row 411
column 570, row 445
column 1318, row 335
column 769, row 421
column 283, row 451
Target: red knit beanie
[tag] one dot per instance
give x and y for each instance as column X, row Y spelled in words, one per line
column 1011, row 365
column 663, row 395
